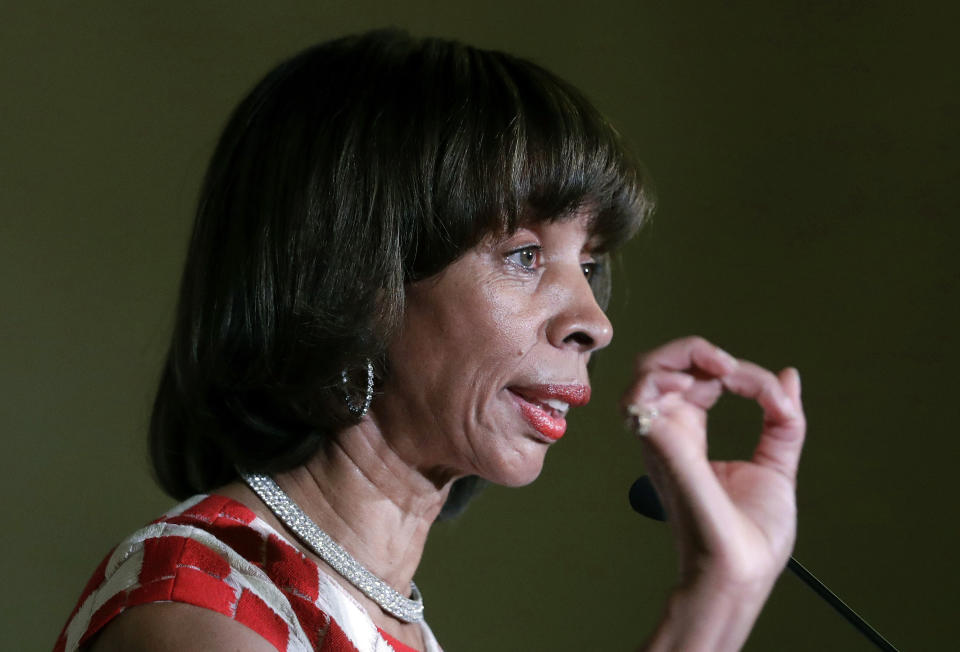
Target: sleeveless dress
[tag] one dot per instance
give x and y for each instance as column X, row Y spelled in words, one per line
column 215, row 553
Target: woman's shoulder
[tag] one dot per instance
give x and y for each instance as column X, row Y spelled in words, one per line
column 212, row 565
column 176, row 627
column 212, row 559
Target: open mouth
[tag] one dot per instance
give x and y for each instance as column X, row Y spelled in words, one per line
column 554, row 406
column 546, row 415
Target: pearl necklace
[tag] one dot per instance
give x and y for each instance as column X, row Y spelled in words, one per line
column 409, row 610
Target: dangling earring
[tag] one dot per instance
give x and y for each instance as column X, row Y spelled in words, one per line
column 356, row 409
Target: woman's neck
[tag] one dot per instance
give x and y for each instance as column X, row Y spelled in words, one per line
column 371, row 500
column 375, row 504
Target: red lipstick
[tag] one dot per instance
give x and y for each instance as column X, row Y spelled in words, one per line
column 575, row 395
column 545, row 406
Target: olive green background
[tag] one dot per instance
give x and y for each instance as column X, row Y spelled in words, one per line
column 805, row 155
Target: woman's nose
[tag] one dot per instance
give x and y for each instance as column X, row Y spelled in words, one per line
column 578, row 321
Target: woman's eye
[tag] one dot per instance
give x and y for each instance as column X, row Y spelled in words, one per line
column 589, row 269
column 525, row 258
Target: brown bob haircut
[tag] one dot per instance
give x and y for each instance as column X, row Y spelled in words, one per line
column 354, row 168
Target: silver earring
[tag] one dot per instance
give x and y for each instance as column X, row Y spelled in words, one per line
column 353, row 407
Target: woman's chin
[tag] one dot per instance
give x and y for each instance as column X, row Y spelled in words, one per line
column 517, row 470
column 522, row 481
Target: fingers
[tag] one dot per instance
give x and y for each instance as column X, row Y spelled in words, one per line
column 684, row 378
column 688, row 353
column 790, row 379
column 784, row 427
column 689, row 367
column 753, row 381
column 781, row 442
column 656, row 384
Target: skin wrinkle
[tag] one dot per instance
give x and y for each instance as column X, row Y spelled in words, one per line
column 477, row 413
column 333, row 504
column 390, row 487
column 387, row 487
column 407, row 520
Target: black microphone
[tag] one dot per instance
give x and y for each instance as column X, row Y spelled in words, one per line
column 644, row 500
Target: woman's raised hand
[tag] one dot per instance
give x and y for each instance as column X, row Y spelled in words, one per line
column 733, row 522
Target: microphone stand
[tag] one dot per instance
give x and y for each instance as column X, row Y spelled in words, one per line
column 644, row 500
column 834, row 601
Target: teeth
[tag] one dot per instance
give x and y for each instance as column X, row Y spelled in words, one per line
column 559, row 406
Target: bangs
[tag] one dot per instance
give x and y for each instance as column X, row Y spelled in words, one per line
column 521, row 145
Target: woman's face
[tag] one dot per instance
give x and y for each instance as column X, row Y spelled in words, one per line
column 492, row 352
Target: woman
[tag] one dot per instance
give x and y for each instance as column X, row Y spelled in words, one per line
column 394, row 287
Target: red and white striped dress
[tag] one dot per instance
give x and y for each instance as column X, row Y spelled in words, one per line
column 215, row 553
